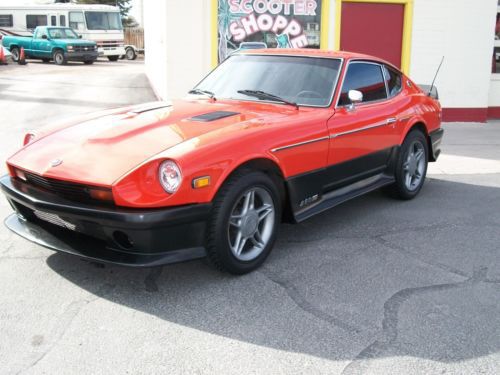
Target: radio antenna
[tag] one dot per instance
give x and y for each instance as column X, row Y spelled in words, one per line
column 434, row 80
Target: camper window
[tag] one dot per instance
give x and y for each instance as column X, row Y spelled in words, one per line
column 6, row 20
column 35, row 20
column 103, row 20
column 76, row 20
column 62, row 20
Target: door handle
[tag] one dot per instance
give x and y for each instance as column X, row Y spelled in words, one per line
column 391, row 120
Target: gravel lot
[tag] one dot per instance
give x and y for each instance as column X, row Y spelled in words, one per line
column 374, row 286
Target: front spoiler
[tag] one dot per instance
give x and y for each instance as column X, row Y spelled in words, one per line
column 84, row 246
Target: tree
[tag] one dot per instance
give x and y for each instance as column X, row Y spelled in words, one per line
column 124, row 5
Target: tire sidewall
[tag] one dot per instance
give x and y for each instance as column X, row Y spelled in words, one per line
column 62, row 60
column 15, row 52
column 414, row 135
column 127, row 51
column 220, row 220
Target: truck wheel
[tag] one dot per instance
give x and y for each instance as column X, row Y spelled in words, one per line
column 59, row 58
column 15, row 54
column 113, row 58
column 244, row 222
column 411, row 167
column 130, row 53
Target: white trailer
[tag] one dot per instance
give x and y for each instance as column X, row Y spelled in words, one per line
column 100, row 23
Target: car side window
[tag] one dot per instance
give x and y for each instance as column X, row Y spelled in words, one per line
column 40, row 33
column 366, row 78
column 393, row 80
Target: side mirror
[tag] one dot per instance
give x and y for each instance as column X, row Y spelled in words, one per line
column 355, row 97
column 79, row 37
column 44, row 37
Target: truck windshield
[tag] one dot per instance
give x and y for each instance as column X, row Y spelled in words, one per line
column 103, row 20
column 307, row 81
column 62, row 34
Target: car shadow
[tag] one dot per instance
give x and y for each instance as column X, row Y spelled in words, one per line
column 374, row 277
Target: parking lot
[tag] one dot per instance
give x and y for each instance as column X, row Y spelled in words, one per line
column 375, row 286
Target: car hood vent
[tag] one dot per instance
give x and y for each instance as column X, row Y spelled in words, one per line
column 212, row 116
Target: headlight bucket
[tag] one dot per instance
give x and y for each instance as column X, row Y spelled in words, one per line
column 170, row 176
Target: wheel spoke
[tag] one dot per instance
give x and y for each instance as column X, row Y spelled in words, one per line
column 249, row 202
column 235, row 220
column 264, row 211
column 239, row 243
column 419, row 155
column 257, row 239
column 408, row 180
column 406, row 166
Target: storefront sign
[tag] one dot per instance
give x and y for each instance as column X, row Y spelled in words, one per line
column 277, row 23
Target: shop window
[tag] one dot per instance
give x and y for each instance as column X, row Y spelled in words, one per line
column 35, row 20
column 495, row 63
column 364, row 77
column 278, row 24
column 6, row 20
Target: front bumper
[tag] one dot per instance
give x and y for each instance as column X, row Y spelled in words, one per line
column 124, row 236
column 81, row 56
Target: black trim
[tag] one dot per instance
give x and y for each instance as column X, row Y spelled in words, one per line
column 436, row 137
column 316, row 191
column 212, row 116
column 156, row 236
column 81, row 56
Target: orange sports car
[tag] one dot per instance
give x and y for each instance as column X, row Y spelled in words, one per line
column 268, row 136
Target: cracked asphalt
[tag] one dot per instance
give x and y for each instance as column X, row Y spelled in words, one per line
column 375, row 286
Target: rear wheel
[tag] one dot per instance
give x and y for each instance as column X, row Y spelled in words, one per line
column 59, row 58
column 411, row 167
column 244, row 222
column 113, row 58
column 15, row 54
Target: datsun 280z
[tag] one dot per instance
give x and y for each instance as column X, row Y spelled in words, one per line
column 268, row 136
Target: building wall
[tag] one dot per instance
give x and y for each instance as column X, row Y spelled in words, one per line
column 177, row 45
column 463, row 32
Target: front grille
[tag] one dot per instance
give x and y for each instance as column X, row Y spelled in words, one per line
column 83, row 48
column 67, row 190
column 106, row 44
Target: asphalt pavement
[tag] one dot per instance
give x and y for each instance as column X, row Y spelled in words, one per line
column 375, row 286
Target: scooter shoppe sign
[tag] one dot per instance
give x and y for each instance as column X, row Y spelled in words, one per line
column 275, row 23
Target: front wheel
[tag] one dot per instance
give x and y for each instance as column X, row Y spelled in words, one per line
column 130, row 54
column 244, row 222
column 411, row 167
column 113, row 58
column 59, row 58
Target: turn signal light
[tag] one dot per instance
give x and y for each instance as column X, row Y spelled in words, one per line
column 201, row 182
column 102, row 195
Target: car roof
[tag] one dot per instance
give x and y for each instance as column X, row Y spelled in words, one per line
column 309, row 52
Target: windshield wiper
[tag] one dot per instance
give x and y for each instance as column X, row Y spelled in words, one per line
column 265, row 95
column 203, row 92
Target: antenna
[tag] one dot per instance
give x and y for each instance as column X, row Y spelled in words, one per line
column 434, row 80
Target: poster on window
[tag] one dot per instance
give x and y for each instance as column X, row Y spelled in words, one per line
column 267, row 23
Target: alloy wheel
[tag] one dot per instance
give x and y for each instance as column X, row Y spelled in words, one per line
column 414, row 166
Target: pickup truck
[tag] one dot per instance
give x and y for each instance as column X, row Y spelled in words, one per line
column 60, row 44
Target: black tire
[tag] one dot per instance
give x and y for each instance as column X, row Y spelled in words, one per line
column 88, row 62
column 59, row 58
column 219, row 227
column 113, row 58
column 46, row 60
column 15, row 52
column 130, row 53
column 400, row 189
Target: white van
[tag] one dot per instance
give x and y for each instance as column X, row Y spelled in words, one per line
column 100, row 23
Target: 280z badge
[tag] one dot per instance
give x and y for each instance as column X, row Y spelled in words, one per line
column 56, row 162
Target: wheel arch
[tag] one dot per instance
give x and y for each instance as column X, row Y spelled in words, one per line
column 420, row 125
column 267, row 166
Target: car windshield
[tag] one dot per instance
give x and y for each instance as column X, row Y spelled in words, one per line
column 103, row 20
column 307, row 81
column 66, row 33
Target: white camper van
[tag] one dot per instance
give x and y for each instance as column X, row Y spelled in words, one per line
column 100, row 23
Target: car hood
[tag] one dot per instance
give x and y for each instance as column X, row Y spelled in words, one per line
column 75, row 42
column 102, row 149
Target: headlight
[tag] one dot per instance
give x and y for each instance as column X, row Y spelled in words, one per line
column 170, row 176
column 28, row 138
column 70, row 48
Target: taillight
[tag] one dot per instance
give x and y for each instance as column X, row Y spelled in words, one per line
column 28, row 138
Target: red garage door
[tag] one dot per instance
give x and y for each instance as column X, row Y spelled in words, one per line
column 373, row 28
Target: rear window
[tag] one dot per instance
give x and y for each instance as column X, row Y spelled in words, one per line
column 6, row 20
column 393, row 80
column 35, row 20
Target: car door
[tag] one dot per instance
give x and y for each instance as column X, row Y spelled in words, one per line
column 362, row 135
column 41, row 46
